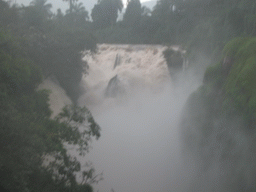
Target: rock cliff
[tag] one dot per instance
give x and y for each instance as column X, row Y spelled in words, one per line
column 218, row 122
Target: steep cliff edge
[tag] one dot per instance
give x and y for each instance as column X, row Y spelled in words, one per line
column 219, row 120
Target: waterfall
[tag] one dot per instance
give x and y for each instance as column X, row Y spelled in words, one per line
column 139, row 150
column 136, row 66
column 58, row 97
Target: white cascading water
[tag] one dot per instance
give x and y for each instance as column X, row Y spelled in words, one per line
column 139, row 147
column 138, row 67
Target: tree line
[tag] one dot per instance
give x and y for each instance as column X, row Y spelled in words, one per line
column 205, row 25
column 36, row 44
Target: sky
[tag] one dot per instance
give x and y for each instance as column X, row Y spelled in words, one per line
column 64, row 5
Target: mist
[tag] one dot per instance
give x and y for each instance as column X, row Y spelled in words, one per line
column 140, row 146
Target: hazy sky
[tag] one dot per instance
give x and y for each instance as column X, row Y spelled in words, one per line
column 64, row 5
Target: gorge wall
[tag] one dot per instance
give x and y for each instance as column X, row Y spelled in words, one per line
column 218, row 123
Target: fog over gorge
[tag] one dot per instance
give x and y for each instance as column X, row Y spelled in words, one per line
column 139, row 149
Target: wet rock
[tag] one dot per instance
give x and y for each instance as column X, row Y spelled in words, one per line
column 174, row 59
column 117, row 61
column 114, row 87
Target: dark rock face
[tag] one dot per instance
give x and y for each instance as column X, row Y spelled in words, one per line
column 114, row 87
column 175, row 62
column 117, row 61
column 174, row 59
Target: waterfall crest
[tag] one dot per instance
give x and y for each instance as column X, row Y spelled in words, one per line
column 137, row 67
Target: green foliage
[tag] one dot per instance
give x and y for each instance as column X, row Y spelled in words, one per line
column 41, row 6
column 27, row 135
column 33, row 156
column 104, row 14
column 202, row 25
column 74, row 129
column 223, row 110
column 117, row 34
column 56, row 44
column 237, row 84
column 213, row 77
column 232, row 46
column 133, row 13
column 162, row 10
column 37, row 14
column 7, row 15
column 240, row 86
column 23, row 112
column 21, row 72
column 62, row 48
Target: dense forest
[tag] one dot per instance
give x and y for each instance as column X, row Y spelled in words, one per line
column 201, row 25
column 36, row 44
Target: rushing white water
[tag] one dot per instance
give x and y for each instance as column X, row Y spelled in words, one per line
column 139, row 150
column 140, row 67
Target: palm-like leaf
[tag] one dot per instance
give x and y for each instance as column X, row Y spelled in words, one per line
column 41, row 5
column 79, row 8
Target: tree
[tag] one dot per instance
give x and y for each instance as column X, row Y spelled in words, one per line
column 162, row 10
column 32, row 48
column 27, row 133
column 78, row 17
column 41, row 6
column 133, row 13
column 7, row 15
column 37, row 14
column 105, row 13
column 71, row 4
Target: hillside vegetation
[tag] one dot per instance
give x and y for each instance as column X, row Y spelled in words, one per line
column 33, row 156
column 218, row 121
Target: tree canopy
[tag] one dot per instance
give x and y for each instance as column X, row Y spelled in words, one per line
column 205, row 25
column 105, row 12
column 35, row 44
column 133, row 13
